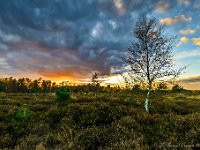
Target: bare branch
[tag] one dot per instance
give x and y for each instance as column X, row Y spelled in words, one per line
column 150, row 54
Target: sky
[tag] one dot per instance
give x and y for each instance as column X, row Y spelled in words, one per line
column 72, row 39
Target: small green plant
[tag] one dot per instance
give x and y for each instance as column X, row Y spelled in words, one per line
column 132, row 101
column 62, row 95
column 20, row 121
column 23, row 114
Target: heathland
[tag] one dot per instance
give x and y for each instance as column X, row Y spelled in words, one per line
column 108, row 119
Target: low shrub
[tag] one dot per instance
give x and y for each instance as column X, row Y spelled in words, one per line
column 94, row 138
column 20, row 121
column 28, row 142
column 5, row 141
column 132, row 101
column 62, row 95
column 136, row 88
column 107, row 121
column 177, row 88
column 52, row 141
column 87, row 116
column 23, row 115
column 39, row 107
column 54, row 117
column 96, row 114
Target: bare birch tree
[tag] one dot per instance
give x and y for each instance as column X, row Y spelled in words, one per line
column 150, row 54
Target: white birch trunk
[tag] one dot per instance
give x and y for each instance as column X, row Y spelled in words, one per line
column 146, row 104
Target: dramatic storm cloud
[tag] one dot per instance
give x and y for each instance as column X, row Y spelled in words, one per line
column 73, row 38
column 62, row 37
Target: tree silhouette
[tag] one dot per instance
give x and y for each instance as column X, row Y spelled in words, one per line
column 150, row 54
column 95, row 79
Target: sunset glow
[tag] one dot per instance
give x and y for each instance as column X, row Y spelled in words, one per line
column 70, row 40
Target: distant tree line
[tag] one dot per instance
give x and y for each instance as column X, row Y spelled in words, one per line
column 26, row 85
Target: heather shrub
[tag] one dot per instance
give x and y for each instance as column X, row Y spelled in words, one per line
column 67, row 134
column 39, row 107
column 128, row 122
column 96, row 114
column 94, row 138
column 28, row 142
column 87, row 116
column 5, row 141
column 52, row 141
column 54, row 116
column 107, row 121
